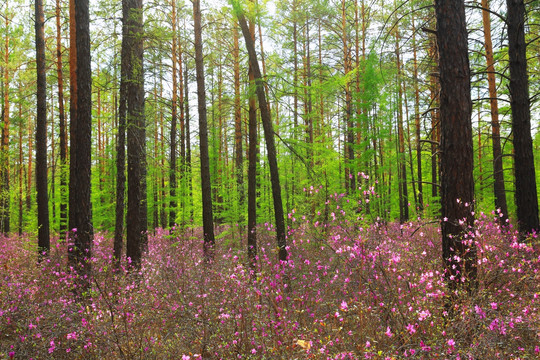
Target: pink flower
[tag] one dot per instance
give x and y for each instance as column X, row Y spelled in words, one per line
column 411, row 329
column 389, row 332
column 52, row 348
column 479, row 311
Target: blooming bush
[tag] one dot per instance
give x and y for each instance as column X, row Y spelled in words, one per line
column 349, row 291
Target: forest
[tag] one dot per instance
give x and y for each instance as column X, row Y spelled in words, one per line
column 269, row 179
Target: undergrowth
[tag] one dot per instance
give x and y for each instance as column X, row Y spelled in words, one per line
column 349, row 291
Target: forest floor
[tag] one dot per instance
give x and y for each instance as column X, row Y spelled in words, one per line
column 348, row 292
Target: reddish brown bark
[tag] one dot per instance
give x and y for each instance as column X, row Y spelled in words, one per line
column 62, row 124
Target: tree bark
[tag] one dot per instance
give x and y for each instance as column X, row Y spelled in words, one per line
column 420, row 203
column 208, row 217
column 121, row 143
column 457, row 182
column 136, row 219
column 253, row 162
column 238, row 150
column 174, row 110
column 80, row 209
column 402, row 170
column 4, row 146
column 350, row 176
column 41, row 133
column 268, row 134
column 62, row 127
column 524, row 171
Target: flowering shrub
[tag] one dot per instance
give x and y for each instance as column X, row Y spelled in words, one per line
column 348, row 291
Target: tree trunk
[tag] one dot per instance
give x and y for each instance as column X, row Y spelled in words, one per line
column 457, row 182
column 350, row 176
column 62, row 127
column 268, row 134
column 498, row 175
column 188, row 143
column 174, row 108
column 253, row 154
column 121, row 143
column 435, row 124
column 239, row 153
column 4, row 146
column 402, row 170
column 206, row 185
column 41, row 133
column 136, row 219
column 21, row 168
column 420, row 204
column 80, row 209
column 524, row 172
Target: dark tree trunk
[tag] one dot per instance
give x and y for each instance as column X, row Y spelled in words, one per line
column 4, row 149
column 208, row 219
column 253, row 160
column 435, row 123
column 121, row 143
column 62, row 127
column 80, row 209
column 238, row 150
column 268, row 135
column 420, row 203
column 41, row 133
column 174, row 108
column 524, row 172
column 188, row 142
column 457, row 183
column 136, row 220
column 350, row 176
column 498, row 175
column 402, row 170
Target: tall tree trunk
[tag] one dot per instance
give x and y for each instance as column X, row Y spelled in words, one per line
column 182, row 121
column 350, row 176
column 295, row 97
column 41, row 133
column 136, row 219
column 308, row 117
column 62, row 126
column 457, row 182
column 21, row 167
column 80, row 209
column 268, row 134
column 524, row 171
column 435, row 123
column 30, row 162
column 420, row 204
column 238, row 150
column 498, row 175
column 174, row 108
column 121, row 143
column 4, row 146
column 402, row 170
column 253, row 153
column 188, row 143
column 206, row 184
column 164, row 213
